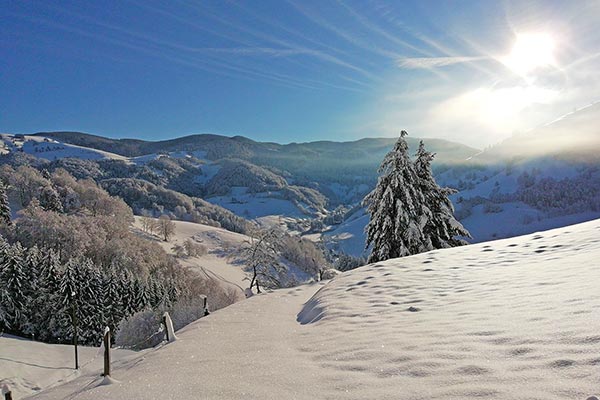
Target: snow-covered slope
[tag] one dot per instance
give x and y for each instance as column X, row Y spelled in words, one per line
column 51, row 149
column 510, row 319
column 216, row 263
column 29, row 367
column 222, row 260
column 349, row 237
column 542, row 179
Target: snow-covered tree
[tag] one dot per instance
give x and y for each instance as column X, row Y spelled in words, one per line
column 261, row 254
column 441, row 229
column 50, row 200
column 409, row 212
column 165, row 227
column 81, row 301
column 4, row 206
column 395, row 227
column 14, row 278
column 112, row 299
column 6, row 300
column 47, row 302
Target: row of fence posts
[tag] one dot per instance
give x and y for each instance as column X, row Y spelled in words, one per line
column 169, row 333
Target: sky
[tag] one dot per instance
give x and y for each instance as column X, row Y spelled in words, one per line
column 474, row 72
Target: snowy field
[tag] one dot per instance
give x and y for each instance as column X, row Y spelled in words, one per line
column 51, row 149
column 511, row 319
column 216, row 263
column 29, row 367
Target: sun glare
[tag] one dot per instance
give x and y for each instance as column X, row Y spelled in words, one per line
column 531, row 51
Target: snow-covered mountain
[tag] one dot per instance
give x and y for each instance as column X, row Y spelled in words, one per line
column 51, row 149
column 251, row 179
column 543, row 179
column 412, row 328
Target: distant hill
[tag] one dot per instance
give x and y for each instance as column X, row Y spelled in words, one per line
column 545, row 178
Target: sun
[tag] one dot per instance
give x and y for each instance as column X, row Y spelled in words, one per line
column 531, row 51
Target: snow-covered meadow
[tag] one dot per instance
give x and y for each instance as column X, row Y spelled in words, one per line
column 510, row 319
column 51, row 149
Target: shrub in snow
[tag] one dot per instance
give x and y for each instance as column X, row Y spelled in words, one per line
column 304, row 254
column 193, row 249
column 178, row 250
column 329, row 273
column 138, row 331
column 490, row 208
column 186, row 311
column 346, row 262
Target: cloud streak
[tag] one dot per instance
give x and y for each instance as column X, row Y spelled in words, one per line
column 436, row 62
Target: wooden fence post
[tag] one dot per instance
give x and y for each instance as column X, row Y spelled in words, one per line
column 164, row 322
column 75, row 331
column 106, row 351
column 206, row 312
column 169, row 327
column 6, row 392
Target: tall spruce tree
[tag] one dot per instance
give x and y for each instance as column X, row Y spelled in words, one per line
column 409, row 212
column 47, row 303
column 4, row 206
column 6, row 300
column 441, row 229
column 394, row 229
column 12, row 273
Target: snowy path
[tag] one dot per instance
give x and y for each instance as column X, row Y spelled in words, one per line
column 512, row 319
column 248, row 350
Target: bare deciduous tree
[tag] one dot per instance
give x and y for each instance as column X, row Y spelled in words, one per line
column 166, row 227
column 261, row 254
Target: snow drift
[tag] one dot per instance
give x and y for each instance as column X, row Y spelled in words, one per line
column 511, row 319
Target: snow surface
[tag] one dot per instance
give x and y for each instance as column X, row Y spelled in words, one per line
column 216, row 263
column 256, row 205
column 29, row 367
column 51, row 149
column 349, row 237
column 512, row 319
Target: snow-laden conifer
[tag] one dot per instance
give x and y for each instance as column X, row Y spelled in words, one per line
column 395, row 227
column 441, row 229
column 409, row 212
column 4, row 206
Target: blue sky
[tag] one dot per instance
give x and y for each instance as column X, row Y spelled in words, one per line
column 292, row 71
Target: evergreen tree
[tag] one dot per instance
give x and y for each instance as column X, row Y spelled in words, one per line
column 395, row 227
column 141, row 299
column 409, row 212
column 4, row 206
column 441, row 228
column 113, row 300
column 81, row 302
column 48, row 302
column 12, row 274
column 50, row 200
column 6, row 301
column 128, row 293
column 31, row 290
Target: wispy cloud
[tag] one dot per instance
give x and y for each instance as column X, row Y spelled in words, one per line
column 435, row 62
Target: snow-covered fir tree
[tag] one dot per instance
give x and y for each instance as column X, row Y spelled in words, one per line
column 409, row 212
column 4, row 206
column 50, row 199
column 441, row 229
column 12, row 273
column 47, row 303
column 395, row 227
